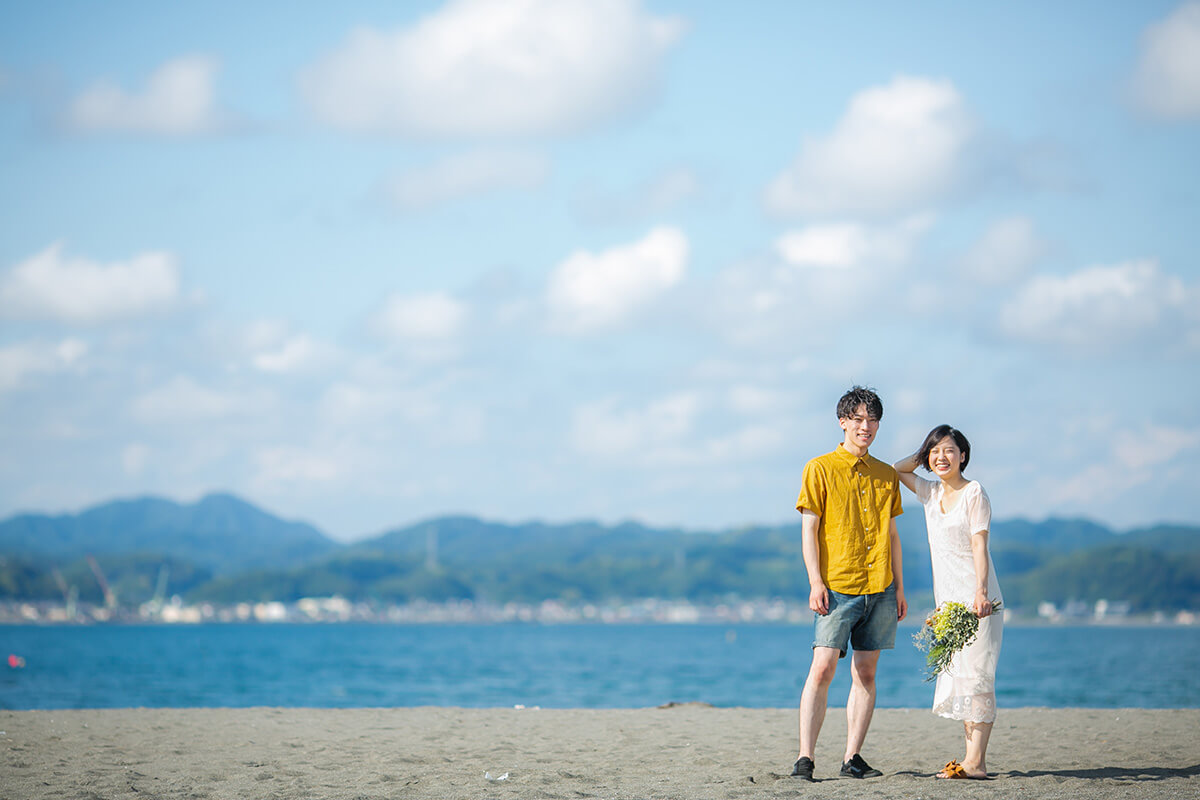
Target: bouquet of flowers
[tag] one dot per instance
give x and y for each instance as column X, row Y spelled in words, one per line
column 951, row 627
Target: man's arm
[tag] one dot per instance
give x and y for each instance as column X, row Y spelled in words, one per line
column 897, row 570
column 818, row 596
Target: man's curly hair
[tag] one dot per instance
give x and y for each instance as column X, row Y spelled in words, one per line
column 860, row 396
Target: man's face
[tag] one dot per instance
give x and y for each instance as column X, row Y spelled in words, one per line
column 861, row 427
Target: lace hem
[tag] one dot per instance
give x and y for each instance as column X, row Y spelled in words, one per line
column 968, row 708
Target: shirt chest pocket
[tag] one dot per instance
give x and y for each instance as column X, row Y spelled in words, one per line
column 870, row 491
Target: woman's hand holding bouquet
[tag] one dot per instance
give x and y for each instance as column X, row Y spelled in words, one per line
column 951, row 627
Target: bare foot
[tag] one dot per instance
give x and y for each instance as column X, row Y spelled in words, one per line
column 974, row 771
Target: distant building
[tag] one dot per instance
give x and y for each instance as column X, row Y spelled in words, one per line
column 1105, row 609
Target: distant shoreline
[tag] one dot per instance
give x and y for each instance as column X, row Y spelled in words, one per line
column 650, row 611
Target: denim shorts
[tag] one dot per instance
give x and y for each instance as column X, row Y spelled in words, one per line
column 865, row 621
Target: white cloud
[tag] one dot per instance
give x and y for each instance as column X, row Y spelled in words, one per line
column 1152, row 446
column 602, row 429
column 830, row 245
column 748, row 443
column 183, row 400
column 1138, row 457
column 898, row 147
column 276, row 349
column 294, row 465
column 755, row 400
column 662, row 193
column 590, row 291
column 494, row 67
column 379, row 398
column 756, row 304
column 1005, row 251
column 820, row 271
column 1167, row 79
column 80, row 291
column 667, row 431
column 19, row 361
column 669, row 189
column 290, row 356
column 465, row 175
column 852, row 244
column 68, row 351
column 1095, row 306
column 178, row 100
column 1092, row 484
column 427, row 414
column 134, row 458
column 429, row 317
column 350, row 401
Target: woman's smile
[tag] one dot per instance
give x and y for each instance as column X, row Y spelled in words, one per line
column 945, row 459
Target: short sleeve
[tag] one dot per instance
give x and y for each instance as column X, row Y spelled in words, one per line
column 814, row 489
column 897, row 506
column 979, row 511
column 923, row 488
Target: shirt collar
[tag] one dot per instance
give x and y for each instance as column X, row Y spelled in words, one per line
column 845, row 455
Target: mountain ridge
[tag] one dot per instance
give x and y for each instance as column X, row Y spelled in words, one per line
column 217, row 530
column 224, row 549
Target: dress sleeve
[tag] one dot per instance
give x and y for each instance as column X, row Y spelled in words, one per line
column 923, row 488
column 979, row 511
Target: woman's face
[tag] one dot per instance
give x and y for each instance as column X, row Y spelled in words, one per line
column 945, row 459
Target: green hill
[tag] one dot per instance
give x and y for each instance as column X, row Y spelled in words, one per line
column 220, row 533
column 224, row 550
column 1146, row 578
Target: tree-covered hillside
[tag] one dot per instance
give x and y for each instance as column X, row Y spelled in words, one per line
column 220, row 532
column 224, row 550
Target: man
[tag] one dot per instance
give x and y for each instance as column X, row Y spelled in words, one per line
column 849, row 502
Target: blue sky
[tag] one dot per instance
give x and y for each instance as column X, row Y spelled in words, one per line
column 365, row 263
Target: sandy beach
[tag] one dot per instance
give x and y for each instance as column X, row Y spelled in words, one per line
column 685, row 751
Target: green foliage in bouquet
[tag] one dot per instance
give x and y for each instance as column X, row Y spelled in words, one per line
column 951, row 627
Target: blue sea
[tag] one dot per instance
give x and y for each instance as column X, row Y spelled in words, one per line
column 554, row 666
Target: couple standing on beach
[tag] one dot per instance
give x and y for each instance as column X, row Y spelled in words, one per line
column 849, row 502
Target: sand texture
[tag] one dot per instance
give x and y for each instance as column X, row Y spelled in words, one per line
column 687, row 751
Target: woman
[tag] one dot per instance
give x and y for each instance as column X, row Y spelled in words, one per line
column 958, row 515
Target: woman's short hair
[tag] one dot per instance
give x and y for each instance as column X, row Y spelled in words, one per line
column 860, row 396
column 935, row 436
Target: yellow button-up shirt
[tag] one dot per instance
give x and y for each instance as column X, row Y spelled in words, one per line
column 856, row 499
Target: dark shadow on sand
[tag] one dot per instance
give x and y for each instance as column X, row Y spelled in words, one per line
column 1112, row 773
column 933, row 776
column 1115, row 773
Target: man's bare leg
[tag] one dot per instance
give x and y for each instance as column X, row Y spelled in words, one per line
column 815, row 697
column 860, row 706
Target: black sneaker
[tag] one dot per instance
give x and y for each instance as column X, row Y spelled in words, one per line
column 803, row 769
column 857, row 768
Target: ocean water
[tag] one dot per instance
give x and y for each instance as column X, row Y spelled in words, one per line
column 554, row 666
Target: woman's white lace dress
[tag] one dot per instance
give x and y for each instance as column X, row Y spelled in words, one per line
column 966, row 690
